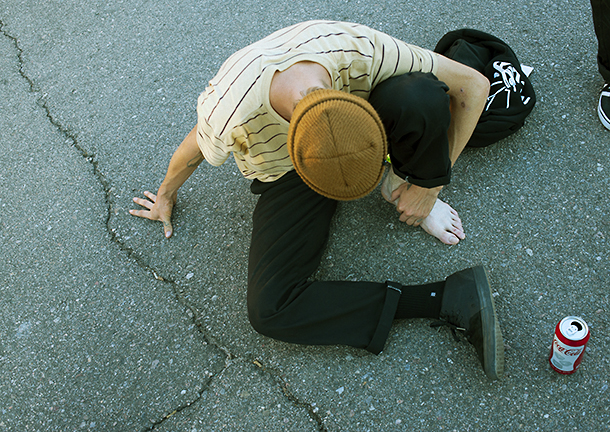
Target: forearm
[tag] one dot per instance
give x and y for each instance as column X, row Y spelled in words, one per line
column 466, row 110
column 183, row 163
column 468, row 91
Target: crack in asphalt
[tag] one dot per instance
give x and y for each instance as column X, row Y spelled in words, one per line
column 283, row 385
column 184, row 406
column 89, row 157
column 107, row 188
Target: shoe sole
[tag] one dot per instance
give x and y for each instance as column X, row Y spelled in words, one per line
column 493, row 344
column 602, row 115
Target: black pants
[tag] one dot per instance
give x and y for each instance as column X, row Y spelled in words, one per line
column 290, row 228
column 601, row 22
column 414, row 108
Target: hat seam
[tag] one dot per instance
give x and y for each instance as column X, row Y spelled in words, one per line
column 345, row 188
column 314, row 158
column 332, row 132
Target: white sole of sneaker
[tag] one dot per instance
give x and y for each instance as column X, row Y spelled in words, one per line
column 600, row 112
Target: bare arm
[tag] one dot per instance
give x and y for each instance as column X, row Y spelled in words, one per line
column 184, row 162
column 468, row 90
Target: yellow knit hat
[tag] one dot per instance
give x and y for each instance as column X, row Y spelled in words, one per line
column 337, row 144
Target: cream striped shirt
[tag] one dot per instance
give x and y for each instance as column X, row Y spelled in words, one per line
column 234, row 112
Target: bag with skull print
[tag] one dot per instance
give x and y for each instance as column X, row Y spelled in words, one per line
column 511, row 96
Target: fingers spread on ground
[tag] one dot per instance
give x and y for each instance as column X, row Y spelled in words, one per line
column 143, row 203
column 151, row 196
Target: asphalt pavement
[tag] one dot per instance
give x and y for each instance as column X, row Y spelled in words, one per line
column 108, row 326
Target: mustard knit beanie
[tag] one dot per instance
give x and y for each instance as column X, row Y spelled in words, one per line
column 337, row 144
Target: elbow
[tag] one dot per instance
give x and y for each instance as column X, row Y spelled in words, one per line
column 473, row 92
column 480, row 86
column 476, row 93
column 485, row 85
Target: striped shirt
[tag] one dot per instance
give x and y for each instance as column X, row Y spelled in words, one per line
column 234, row 112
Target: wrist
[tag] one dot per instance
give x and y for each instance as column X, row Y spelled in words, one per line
column 430, row 191
column 167, row 192
column 434, row 192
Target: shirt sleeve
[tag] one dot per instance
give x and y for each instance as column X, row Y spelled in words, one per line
column 213, row 148
column 394, row 57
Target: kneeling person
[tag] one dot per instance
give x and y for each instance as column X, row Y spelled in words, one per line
column 294, row 111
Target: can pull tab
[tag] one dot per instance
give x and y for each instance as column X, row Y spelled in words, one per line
column 574, row 328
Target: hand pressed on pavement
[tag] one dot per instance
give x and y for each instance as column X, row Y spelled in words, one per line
column 159, row 208
column 415, row 203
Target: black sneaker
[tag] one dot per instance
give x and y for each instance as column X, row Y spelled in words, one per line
column 603, row 108
column 468, row 305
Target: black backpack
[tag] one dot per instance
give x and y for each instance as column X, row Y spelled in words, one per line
column 511, row 97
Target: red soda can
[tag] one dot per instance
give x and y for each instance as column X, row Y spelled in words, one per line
column 571, row 337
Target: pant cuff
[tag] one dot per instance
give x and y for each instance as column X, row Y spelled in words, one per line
column 386, row 319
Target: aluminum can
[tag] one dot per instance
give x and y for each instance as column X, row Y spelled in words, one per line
column 571, row 337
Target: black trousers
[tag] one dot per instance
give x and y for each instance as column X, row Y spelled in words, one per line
column 414, row 108
column 291, row 223
column 601, row 22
